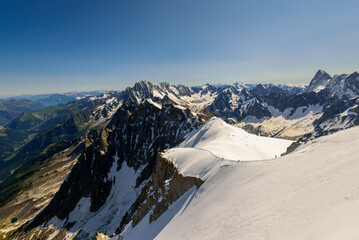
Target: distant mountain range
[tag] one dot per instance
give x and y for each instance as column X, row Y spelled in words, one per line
column 327, row 104
column 241, row 85
column 57, row 98
column 12, row 107
column 114, row 142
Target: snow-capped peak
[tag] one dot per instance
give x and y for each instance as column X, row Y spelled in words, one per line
column 319, row 81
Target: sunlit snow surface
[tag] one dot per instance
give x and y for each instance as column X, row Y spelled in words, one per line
column 123, row 194
column 312, row 193
column 232, row 143
column 216, row 142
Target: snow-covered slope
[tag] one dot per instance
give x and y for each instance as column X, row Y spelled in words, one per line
column 311, row 193
column 231, row 143
column 287, row 124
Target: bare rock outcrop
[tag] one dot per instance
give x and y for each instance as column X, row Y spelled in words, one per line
column 167, row 185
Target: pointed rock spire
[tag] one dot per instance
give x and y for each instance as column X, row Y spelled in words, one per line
column 319, row 81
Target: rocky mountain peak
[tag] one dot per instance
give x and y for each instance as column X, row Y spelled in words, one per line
column 164, row 86
column 322, row 73
column 136, row 133
column 265, row 89
column 319, row 81
column 143, row 86
column 354, row 75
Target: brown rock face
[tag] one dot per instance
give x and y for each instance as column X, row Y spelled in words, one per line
column 101, row 236
column 291, row 148
column 164, row 188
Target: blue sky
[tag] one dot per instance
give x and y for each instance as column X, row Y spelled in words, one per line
column 57, row 46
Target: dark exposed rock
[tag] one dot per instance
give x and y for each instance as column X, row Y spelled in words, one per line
column 283, row 101
column 292, row 147
column 222, row 102
column 136, row 134
column 252, row 108
column 164, row 188
column 260, row 90
column 321, row 78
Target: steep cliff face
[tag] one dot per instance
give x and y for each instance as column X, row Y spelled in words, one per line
column 164, row 188
column 318, row 82
column 127, row 147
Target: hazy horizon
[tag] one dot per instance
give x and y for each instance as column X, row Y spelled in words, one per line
column 190, row 85
column 131, row 85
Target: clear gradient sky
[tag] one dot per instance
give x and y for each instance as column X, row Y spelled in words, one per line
column 56, row 46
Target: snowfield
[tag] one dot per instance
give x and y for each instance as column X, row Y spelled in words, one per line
column 312, row 193
column 217, row 142
column 232, row 143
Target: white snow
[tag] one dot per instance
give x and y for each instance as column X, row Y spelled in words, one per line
column 145, row 230
column 284, row 124
column 232, row 143
column 157, row 105
column 282, row 127
column 312, row 193
column 300, row 112
column 179, row 107
column 81, row 209
column 123, row 194
column 203, row 163
column 158, row 94
column 196, row 101
column 319, row 82
column 215, row 143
